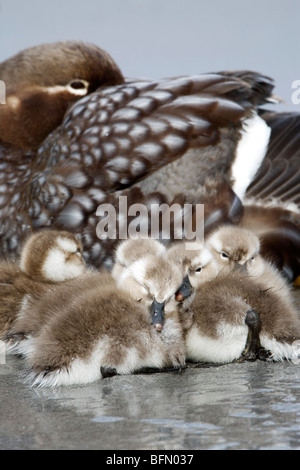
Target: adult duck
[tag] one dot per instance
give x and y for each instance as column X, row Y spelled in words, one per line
column 196, row 139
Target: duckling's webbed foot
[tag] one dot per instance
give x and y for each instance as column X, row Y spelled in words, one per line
column 253, row 346
column 107, row 371
column 264, row 354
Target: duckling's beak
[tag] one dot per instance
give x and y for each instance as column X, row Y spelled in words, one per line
column 185, row 290
column 157, row 311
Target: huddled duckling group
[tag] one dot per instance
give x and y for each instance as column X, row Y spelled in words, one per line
column 216, row 302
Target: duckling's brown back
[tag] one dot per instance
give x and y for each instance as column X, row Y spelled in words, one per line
column 227, row 299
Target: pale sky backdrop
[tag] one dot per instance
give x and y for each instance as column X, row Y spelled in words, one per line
column 161, row 38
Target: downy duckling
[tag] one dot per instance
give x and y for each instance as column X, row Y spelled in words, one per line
column 239, row 248
column 128, row 252
column 138, row 261
column 103, row 331
column 47, row 258
column 198, row 263
column 33, row 315
column 133, row 249
column 236, row 256
column 232, row 248
column 236, row 316
column 198, row 266
column 31, row 320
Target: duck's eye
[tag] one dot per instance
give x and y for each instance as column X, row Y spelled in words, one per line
column 77, row 84
column 224, row 255
column 198, row 270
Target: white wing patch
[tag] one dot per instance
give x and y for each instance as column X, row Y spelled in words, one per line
column 250, row 153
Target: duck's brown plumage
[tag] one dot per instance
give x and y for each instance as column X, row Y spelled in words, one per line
column 271, row 208
column 278, row 176
column 279, row 231
column 58, row 63
column 182, row 130
column 43, row 81
column 116, row 137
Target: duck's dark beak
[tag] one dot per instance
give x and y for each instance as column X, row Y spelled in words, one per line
column 185, row 290
column 157, row 311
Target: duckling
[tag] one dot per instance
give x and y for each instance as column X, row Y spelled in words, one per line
column 225, row 310
column 233, row 248
column 266, row 274
column 131, row 256
column 47, row 258
column 212, row 302
column 238, row 248
column 30, row 320
column 132, row 250
column 198, row 263
column 52, row 255
column 103, row 331
column 198, row 267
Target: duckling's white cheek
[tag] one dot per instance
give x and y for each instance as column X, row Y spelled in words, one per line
column 57, row 269
column 53, row 264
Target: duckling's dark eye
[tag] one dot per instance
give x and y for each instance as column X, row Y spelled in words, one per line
column 198, row 270
column 77, row 85
column 224, row 255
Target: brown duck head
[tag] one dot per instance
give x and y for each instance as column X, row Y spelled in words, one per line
column 43, row 81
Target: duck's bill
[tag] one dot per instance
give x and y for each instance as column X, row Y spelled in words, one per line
column 157, row 311
column 185, row 290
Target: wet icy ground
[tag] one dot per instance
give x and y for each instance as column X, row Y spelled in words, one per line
column 235, row 406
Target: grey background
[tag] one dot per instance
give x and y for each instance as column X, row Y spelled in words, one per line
column 159, row 38
column 252, row 406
